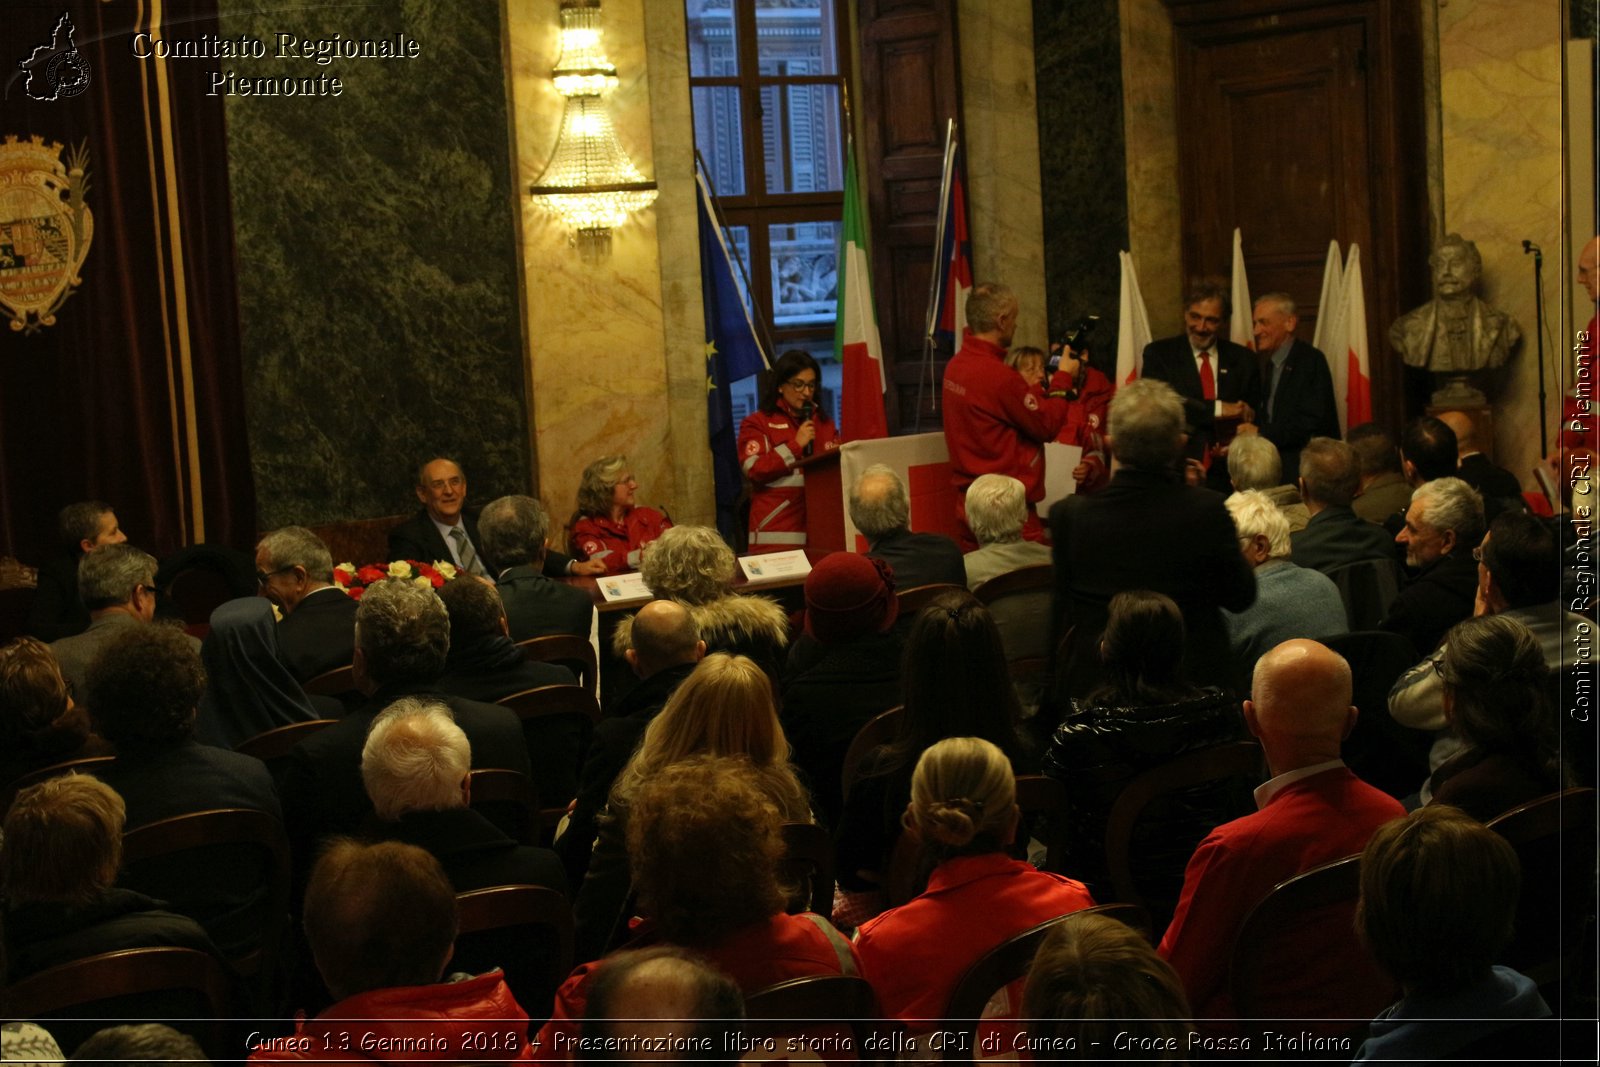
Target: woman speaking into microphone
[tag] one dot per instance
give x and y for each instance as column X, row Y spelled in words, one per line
column 788, row 427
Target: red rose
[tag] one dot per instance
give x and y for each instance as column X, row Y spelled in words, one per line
column 372, row 573
column 355, row 594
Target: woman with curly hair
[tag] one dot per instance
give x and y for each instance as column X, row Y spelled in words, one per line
column 705, row 839
column 1497, row 697
column 609, row 527
column 694, row 566
column 724, row 708
column 964, row 813
column 788, row 425
column 39, row 722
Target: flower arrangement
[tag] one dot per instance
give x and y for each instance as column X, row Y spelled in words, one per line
column 353, row 580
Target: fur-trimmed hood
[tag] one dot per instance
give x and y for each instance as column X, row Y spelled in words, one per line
column 732, row 623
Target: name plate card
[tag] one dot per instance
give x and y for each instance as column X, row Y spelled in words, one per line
column 775, row 566
column 623, row 588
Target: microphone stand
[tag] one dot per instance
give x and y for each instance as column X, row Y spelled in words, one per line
column 1538, row 329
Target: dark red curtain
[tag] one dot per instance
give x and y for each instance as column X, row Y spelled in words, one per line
column 135, row 395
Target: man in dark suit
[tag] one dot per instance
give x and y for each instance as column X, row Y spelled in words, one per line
column 515, row 531
column 1297, row 394
column 1443, row 524
column 445, row 530
column 57, row 610
column 484, row 663
column 1147, row 530
column 295, row 572
column 1216, row 379
column 402, row 638
column 1499, row 487
column 881, row 509
column 1335, row 536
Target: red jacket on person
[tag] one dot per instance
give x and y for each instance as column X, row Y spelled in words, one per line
column 617, row 546
column 993, row 424
column 768, row 455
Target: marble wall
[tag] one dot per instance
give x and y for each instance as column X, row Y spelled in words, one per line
column 377, row 263
column 1150, row 136
column 1501, row 127
column 1082, row 162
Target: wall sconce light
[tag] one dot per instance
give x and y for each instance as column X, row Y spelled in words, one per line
column 589, row 182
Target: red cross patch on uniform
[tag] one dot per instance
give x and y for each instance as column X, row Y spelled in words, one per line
column 1030, row 403
column 752, row 447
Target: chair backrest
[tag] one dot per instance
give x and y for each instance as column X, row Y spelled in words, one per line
column 808, row 860
column 219, row 829
column 334, row 683
column 1216, row 764
column 278, row 742
column 918, row 597
column 1555, row 841
column 879, row 730
column 1380, row 751
column 1040, row 578
column 87, row 765
column 526, row 930
column 1045, row 798
column 508, row 799
column 198, row 591
column 575, row 653
column 828, row 1011
column 1296, row 950
column 553, row 700
column 1367, row 587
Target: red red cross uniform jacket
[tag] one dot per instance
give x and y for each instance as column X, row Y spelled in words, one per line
column 596, row 537
column 768, row 454
column 993, row 424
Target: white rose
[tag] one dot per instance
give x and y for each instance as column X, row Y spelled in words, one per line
column 399, row 569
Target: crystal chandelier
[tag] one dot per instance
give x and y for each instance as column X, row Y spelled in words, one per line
column 590, row 182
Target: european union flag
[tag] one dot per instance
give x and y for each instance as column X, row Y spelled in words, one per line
column 732, row 353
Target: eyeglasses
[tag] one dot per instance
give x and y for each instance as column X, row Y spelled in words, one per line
column 802, row 385
column 262, row 576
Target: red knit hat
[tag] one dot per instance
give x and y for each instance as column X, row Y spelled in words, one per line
column 849, row 596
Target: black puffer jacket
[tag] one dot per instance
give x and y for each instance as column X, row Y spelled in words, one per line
column 1097, row 750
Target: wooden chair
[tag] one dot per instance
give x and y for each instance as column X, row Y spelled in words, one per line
column 508, row 799
column 918, row 597
column 1044, row 806
column 86, row 765
column 836, row 1011
column 1039, row 578
column 1555, row 841
column 151, row 983
column 808, row 859
column 277, row 743
column 526, row 930
column 214, row 830
column 533, row 706
column 1030, row 589
column 879, row 730
column 335, row 683
column 1367, row 588
column 575, row 653
column 1214, row 765
column 1297, row 947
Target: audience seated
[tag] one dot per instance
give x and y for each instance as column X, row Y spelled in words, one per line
column 666, row 648
column 1499, row 488
column 57, row 610
column 152, row 1043
column 1442, row 525
column 514, row 534
column 415, row 766
column 1312, row 811
column 117, row 585
column 953, row 684
column 843, row 671
column 724, row 708
column 1384, row 489
column 1438, row 900
column 610, row 529
column 484, row 663
column 248, row 689
column 1497, row 697
column 1254, row 464
column 59, row 856
column 1146, row 714
column 144, row 690
column 695, row 567
column 996, row 511
column 402, row 638
column 705, row 840
column 880, row 508
column 1335, row 535
column 1427, row 453
column 963, row 809
column 649, row 995
column 40, row 724
column 1291, row 601
column 381, row 921
column 1095, row 979
column 295, row 571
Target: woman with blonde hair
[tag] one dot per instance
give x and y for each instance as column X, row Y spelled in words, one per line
column 964, row 811
column 724, row 708
column 609, row 527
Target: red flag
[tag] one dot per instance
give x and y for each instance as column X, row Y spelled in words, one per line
column 1358, row 373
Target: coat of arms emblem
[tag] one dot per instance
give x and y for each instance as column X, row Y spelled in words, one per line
column 45, row 229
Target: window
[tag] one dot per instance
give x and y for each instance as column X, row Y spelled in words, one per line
column 767, row 86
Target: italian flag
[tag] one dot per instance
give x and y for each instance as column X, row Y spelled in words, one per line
column 856, row 344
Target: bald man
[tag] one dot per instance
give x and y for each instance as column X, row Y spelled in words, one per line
column 1312, row 811
column 1499, row 487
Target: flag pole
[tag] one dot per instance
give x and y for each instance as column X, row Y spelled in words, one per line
column 935, row 277
column 738, row 261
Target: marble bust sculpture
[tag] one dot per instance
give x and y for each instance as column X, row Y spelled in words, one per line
column 1456, row 335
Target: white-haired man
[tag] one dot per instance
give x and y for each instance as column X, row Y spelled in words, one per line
column 1444, row 523
column 1291, row 601
column 997, row 509
column 295, row 571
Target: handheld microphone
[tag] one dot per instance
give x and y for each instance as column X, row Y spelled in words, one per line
column 805, row 416
column 1529, row 246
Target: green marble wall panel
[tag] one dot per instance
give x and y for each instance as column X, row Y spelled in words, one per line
column 1082, row 165
column 378, row 270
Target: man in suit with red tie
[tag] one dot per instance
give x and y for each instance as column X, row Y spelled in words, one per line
column 1217, row 379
